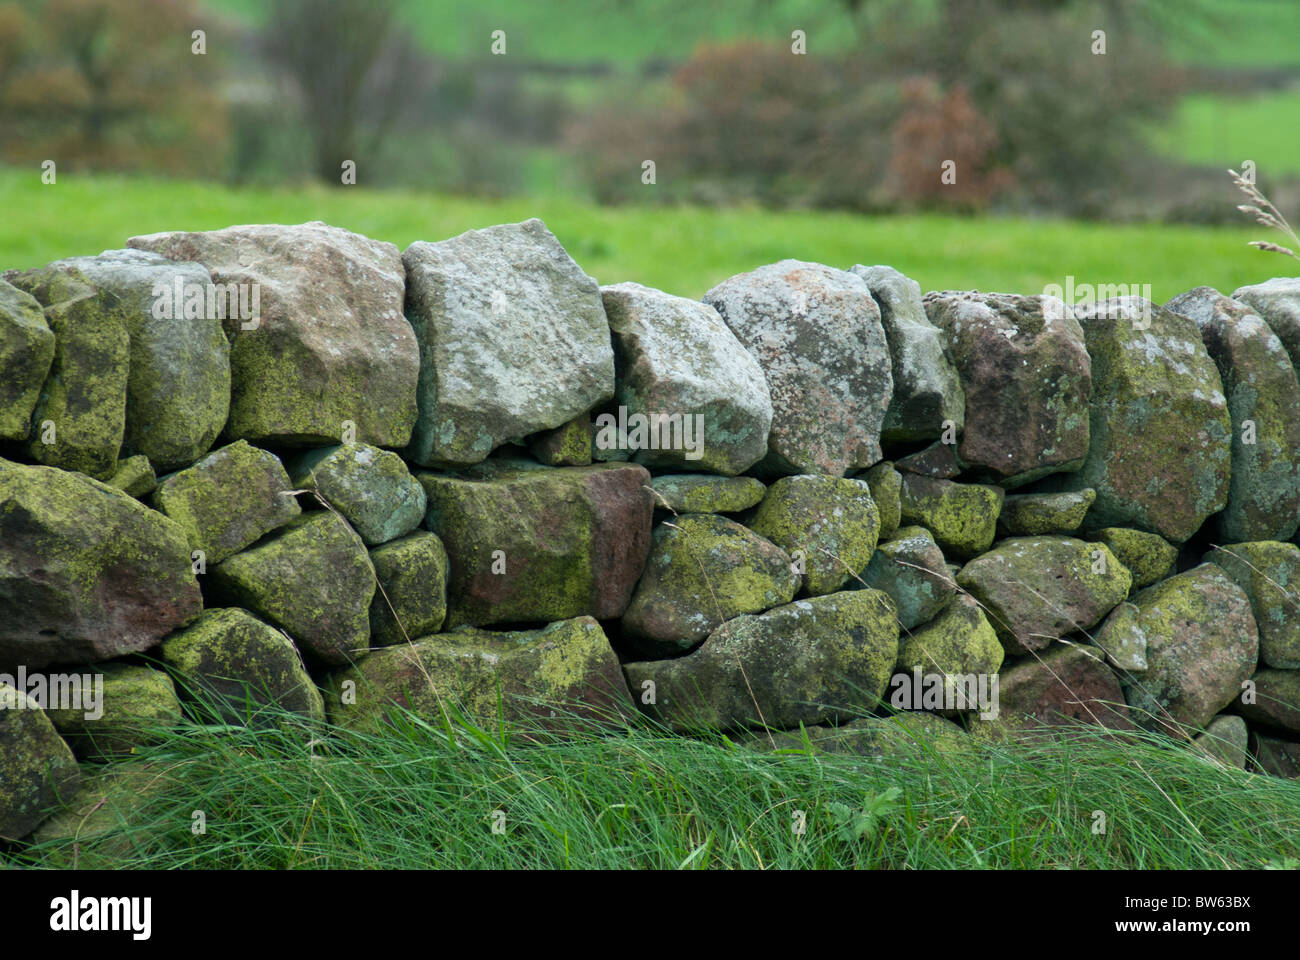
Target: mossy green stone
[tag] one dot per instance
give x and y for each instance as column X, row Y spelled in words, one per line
column 963, row 517
column 886, row 485
column 412, row 573
column 26, row 352
column 1226, row 739
column 1033, row 514
column 136, row 702
column 565, row 446
column 706, row 493
column 906, row 734
column 37, row 769
column 134, row 477
column 371, row 487
column 911, row 569
column 960, row 641
column 1149, row 557
column 109, row 801
column 1269, row 572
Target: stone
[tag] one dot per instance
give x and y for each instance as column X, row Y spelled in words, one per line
column 1264, row 403
column 513, row 340
column 540, row 544
column 134, row 477
column 86, row 572
column 372, row 488
column 1269, row 572
column 886, row 485
column 1123, row 641
column 1037, row 589
column 108, row 819
column 817, row 336
column 228, row 500
column 1066, row 684
column 957, row 644
column 313, row 579
column 811, row 661
column 911, row 569
column 1278, row 302
column 568, row 445
column 1277, row 757
column 706, row 493
column 1034, row 514
column 1027, row 379
column 1160, row 449
column 927, row 389
column 901, row 735
column 1276, row 701
column 703, row 570
column 1201, row 645
column 37, row 769
column 831, row 521
column 324, row 352
column 136, row 702
column 963, row 517
column 1149, row 557
column 1226, row 740
column 26, row 352
column 675, row 357
column 412, row 574
column 939, row 459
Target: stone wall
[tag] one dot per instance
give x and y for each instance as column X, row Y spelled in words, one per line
column 293, row 465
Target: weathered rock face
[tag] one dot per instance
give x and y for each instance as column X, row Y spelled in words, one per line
column 911, row 569
column 1269, row 572
column 958, row 643
column 1034, row 514
column 1226, row 740
column 134, row 476
column 702, row 493
column 135, row 703
column 228, row 500
column 1264, row 403
column 939, row 459
column 816, row 333
column 327, row 348
column 1201, row 644
column 1160, row 453
column 886, row 486
column 313, row 579
column 1277, row 757
column 1067, row 684
column 513, row 340
column 832, row 522
column 569, row 445
column 1278, row 302
column 372, row 488
column 178, row 389
column 26, row 352
column 1027, row 378
column 1148, row 556
column 663, row 346
column 1276, row 703
column 1037, row 589
column 86, row 572
column 927, row 389
column 702, row 570
column 567, row 666
column 529, row 545
column 903, row 734
column 411, row 600
column 962, row 516
column 37, row 769
column 805, row 662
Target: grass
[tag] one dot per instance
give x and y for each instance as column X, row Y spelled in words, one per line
column 1223, row 131
column 426, row 796
column 682, row 250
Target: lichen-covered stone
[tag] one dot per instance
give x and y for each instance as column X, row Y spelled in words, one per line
column 1034, row 514
column 676, row 357
column 1225, row 739
column 958, row 643
column 816, row 333
column 540, row 544
column 37, row 769
column 1264, row 403
column 568, row 445
column 1275, row 703
column 564, row 670
column 1149, row 557
column 1123, row 641
column 135, row 477
column 1160, row 450
column 313, row 579
column 911, row 569
column 412, row 573
column 228, row 500
column 86, row 572
column 702, row 570
column 927, row 390
column 886, row 485
column 963, row 517
column 513, row 340
column 1066, row 684
column 811, row 661
column 1036, row 589
column 1277, row 757
column 135, row 702
column 939, row 459
column 1278, row 302
column 1201, row 644
column 26, row 352
column 832, row 521
column 372, row 488
column 1027, row 379
column 706, row 493
column 1269, row 572
column 327, row 351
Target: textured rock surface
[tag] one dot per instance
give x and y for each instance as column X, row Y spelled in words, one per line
column 134, row 701
column 1148, row 556
column 412, row 574
column 962, row 516
column 568, row 445
column 37, row 769
column 1033, row 514
column 134, row 476
column 958, row 643
column 1067, row 684
column 675, row 356
column 1278, row 302
column 906, row 734
column 329, row 346
column 1277, row 757
column 530, row 545
column 816, row 333
column 911, row 569
column 1264, row 403
column 513, row 340
column 372, row 488
column 702, row 570
column 927, row 390
column 703, row 493
column 939, row 459
column 26, row 352
column 1226, row 740
column 1027, row 378
column 886, row 485
column 1269, row 572
column 86, row 572
column 1276, row 703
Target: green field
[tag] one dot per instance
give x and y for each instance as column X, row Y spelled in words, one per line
column 681, row 250
column 1224, row 131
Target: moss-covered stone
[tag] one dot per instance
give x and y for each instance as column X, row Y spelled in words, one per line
column 886, row 485
column 831, row 521
column 962, row 516
column 412, row 574
column 228, row 500
column 371, row 488
column 37, row 769
column 1225, row 739
column 903, row 734
column 229, row 664
column 958, row 643
column 911, row 569
column 135, row 702
column 105, row 822
column 568, row 445
column 706, row 493
column 26, row 352
column 1276, row 701
column 1034, row 514
column 702, row 570
column 134, row 476
column 1269, row 572
column 313, row 579
column 1149, row 557
column 811, row 661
